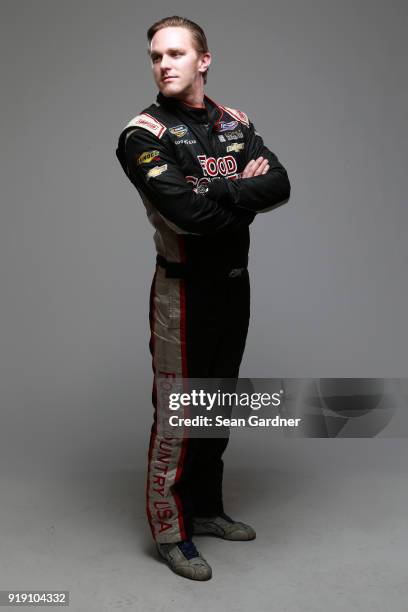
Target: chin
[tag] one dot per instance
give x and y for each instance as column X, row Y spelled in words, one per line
column 169, row 89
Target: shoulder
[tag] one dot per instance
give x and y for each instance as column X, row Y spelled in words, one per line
column 145, row 134
column 142, row 138
column 149, row 120
column 236, row 114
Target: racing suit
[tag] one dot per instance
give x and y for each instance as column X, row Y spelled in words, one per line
column 186, row 164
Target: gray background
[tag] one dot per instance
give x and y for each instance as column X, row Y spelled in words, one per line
column 325, row 84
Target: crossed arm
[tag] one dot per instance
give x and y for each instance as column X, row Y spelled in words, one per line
column 227, row 206
column 264, row 184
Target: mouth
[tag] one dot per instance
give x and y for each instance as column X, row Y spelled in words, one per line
column 166, row 79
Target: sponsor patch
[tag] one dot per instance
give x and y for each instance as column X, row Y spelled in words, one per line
column 201, row 184
column 226, row 126
column 156, row 171
column 149, row 123
column 187, row 142
column 234, row 135
column 147, row 156
column 214, row 166
column 236, row 146
column 237, row 114
column 201, row 189
column 178, row 130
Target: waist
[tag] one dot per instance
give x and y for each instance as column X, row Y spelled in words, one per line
column 209, row 269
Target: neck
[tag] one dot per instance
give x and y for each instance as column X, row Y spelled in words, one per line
column 195, row 105
column 193, row 98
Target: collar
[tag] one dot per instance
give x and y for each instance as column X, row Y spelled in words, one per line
column 212, row 112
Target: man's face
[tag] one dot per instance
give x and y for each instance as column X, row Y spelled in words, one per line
column 175, row 62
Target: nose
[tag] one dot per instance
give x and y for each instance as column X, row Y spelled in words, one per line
column 165, row 63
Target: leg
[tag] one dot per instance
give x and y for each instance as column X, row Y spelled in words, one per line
column 198, row 330
column 233, row 319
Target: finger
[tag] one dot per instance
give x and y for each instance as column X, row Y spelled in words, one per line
column 254, row 167
column 258, row 162
column 261, row 169
column 248, row 170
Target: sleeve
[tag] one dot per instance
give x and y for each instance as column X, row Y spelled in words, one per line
column 151, row 167
column 258, row 193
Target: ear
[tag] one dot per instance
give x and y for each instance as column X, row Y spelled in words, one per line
column 205, row 61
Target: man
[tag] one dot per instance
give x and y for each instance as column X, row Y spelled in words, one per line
column 203, row 173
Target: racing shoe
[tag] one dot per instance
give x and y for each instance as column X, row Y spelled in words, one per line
column 223, row 526
column 184, row 559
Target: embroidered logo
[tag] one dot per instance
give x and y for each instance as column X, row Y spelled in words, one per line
column 147, row 156
column 178, row 130
column 236, row 146
column 238, row 114
column 226, row 126
column 234, row 135
column 156, row 171
column 149, row 123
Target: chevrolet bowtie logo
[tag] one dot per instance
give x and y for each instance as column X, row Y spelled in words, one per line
column 236, row 146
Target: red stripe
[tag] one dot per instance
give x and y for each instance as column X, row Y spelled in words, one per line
column 220, row 108
column 181, row 459
column 149, row 514
column 183, row 348
column 154, row 393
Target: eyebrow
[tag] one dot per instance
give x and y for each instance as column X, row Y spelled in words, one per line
column 170, row 50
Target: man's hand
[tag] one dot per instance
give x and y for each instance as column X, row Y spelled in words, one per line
column 255, row 167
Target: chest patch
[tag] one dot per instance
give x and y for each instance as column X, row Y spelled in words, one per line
column 236, row 146
column 178, row 130
column 225, row 126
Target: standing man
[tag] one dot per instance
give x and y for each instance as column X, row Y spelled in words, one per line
column 203, row 173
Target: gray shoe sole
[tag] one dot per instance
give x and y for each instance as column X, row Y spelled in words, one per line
column 194, row 569
column 239, row 533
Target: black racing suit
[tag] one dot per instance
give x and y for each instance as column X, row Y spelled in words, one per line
column 187, row 164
